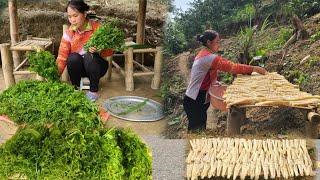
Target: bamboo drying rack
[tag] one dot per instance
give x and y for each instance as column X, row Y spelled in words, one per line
column 271, row 90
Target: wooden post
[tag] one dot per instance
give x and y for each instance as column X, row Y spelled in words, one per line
column 312, row 122
column 129, row 70
column 7, row 65
column 157, row 69
column 109, row 72
column 141, row 21
column 13, row 16
column 235, row 117
column 65, row 75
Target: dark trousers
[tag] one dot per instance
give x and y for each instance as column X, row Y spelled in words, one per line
column 196, row 111
column 91, row 66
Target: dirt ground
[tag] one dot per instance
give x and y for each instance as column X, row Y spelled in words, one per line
column 108, row 89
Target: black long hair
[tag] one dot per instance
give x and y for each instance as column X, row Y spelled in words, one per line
column 82, row 7
column 79, row 5
column 207, row 35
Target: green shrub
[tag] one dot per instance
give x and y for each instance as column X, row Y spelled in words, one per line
column 315, row 37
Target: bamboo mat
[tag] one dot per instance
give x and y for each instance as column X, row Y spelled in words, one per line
column 233, row 157
column 268, row 90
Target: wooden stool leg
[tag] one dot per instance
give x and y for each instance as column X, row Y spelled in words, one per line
column 109, row 72
column 157, row 69
column 7, row 65
column 312, row 123
column 235, row 117
column 129, row 70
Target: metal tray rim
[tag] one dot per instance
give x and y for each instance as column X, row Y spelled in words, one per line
column 133, row 97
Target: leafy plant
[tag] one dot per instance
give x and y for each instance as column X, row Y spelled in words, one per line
column 60, row 137
column 315, row 37
column 246, row 13
column 43, row 62
column 298, row 77
column 134, row 107
column 175, row 41
column 107, row 36
column 266, row 23
column 36, row 102
column 314, row 61
column 283, row 37
column 226, row 78
column 136, row 159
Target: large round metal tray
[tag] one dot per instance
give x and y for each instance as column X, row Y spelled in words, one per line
column 150, row 111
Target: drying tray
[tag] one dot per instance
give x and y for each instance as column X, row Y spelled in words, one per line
column 150, row 111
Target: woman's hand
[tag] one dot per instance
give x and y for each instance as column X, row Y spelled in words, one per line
column 259, row 70
column 92, row 49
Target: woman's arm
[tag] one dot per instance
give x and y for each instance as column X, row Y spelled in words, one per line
column 228, row 66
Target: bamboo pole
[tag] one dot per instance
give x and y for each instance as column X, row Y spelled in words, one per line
column 148, row 50
column 314, row 117
column 312, row 122
column 143, row 74
column 65, row 75
column 7, row 65
column 23, row 73
column 155, row 84
column 26, row 48
column 141, row 21
column 109, row 72
column 129, row 70
column 141, row 66
column 13, row 16
column 20, row 65
column 119, row 68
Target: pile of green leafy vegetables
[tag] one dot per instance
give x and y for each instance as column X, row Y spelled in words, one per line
column 107, row 36
column 43, row 63
column 60, row 136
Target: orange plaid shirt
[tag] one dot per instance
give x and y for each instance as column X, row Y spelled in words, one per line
column 73, row 41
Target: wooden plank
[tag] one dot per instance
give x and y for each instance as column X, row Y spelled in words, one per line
column 143, row 74
column 41, row 39
column 299, row 107
column 23, row 72
column 25, row 48
column 148, row 50
column 235, row 117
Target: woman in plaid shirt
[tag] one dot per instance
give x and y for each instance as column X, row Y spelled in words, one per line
column 204, row 72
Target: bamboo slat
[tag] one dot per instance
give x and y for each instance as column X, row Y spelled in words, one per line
column 268, row 90
column 234, row 157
